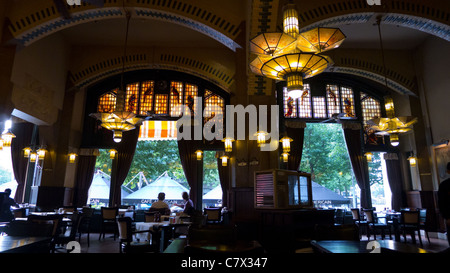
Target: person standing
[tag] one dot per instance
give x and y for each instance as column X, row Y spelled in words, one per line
column 444, row 201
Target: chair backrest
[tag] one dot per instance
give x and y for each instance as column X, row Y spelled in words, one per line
column 410, row 217
column 124, row 226
column 109, row 213
column 212, row 214
column 87, row 211
column 355, row 214
column 370, row 215
column 149, row 216
column 54, row 219
column 423, row 216
column 162, row 211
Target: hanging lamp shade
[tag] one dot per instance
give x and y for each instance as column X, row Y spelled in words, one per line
column 7, row 138
column 272, row 44
column 320, row 39
column 290, row 20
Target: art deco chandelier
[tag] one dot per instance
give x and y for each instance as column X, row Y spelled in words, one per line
column 292, row 56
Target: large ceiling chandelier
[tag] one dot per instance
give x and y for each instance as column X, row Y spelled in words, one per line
column 390, row 125
column 120, row 120
column 292, row 56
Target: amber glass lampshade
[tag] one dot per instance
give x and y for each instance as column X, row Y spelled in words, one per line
column 112, row 153
column 412, row 161
column 199, row 154
column 369, row 156
column 261, row 138
column 290, row 20
column 285, row 157
column 27, row 152
column 224, row 160
column 41, row 153
column 33, row 157
column 286, row 144
column 228, row 143
column 272, row 44
column 320, row 39
column 72, row 157
column 7, row 138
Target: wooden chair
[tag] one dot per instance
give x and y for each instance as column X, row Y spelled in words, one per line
column 126, row 242
column 84, row 224
column 108, row 220
column 162, row 211
column 423, row 222
column 213, row 215
column 67, row 236
column 410, row 222
column 374, row 225
column 54, row 219
column 359, row 221
column 149, row 216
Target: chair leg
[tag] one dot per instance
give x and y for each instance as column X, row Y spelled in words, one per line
column 420, row 237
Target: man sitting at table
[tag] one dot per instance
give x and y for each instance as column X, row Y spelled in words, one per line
column 8, row 202
column 160, row 204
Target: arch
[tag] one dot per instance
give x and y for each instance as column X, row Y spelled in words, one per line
column 101, row 69
column 44, row 19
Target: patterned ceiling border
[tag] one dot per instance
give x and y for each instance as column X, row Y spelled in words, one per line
column 52, row 26
column 418, row 23
column 184, row 21
column 375, row 77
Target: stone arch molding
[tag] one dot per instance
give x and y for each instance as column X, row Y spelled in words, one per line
column 36, row 25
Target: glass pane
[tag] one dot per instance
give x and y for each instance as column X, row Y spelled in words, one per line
column 347, row 101
column 107, row 102
column 289, row 104
column 319, row 107
column 132, row 97
column 212, row 190
column 190, row 93
column 304, row 198
column 333, row 100
column 370, row 107
column 147, row 90
column 176, row 98
column 293, row 190
column 160, row 104
column 304, row 103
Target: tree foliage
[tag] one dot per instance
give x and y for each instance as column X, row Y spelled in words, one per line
column 153, row 158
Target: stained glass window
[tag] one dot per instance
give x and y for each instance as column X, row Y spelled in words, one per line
column 213, row 104
column 107, row 102
column 147, row 89
column 333, row 100
column 370, row 107
column 319, row 107
column 348, row 104
column 160, row 104
column 304, row 103
column 131, row 101
column 190, row 93
column 176, row 98
column 290, row 105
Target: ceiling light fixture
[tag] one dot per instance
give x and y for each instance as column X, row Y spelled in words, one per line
column 292, row 56
column 390, row 125
column 120, row 120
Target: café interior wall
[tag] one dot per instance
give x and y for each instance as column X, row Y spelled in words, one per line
column 432, row 60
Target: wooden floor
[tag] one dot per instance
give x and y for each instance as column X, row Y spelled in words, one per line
column 108, row 245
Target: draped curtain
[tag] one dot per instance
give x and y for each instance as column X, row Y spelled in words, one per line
column 352, row 135
column 395, row 180
column 296, row 131
column 121, row 165
column 186, row 149
column 24, row 133
column 84, row 175
column 224, row 181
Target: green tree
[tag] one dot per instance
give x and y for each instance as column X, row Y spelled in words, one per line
column 325, row 156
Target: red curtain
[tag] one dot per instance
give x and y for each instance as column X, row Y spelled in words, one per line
column 394, row 174
column 121, row 165
column 24, row 134
column 84, row 175
column 296, row 131
column 352, row 135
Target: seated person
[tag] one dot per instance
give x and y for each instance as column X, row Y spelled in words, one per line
column 8, row 202
column 188, row 204
column 160, row 205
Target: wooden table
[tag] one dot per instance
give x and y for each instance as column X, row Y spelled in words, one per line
column 22, row 244
column 386, row 246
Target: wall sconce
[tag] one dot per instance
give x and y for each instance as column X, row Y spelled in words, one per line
column 286, row 144
column 7, row 138
column 72, row 157
column 412, row 160
column 33, row 157
column 228, row 142
column 285, row 157
column 41, row 153
column 369, row 156
column 199, row 154
column 261, row 138
column 27, row 152
column 224, row 160
column 112, row 154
